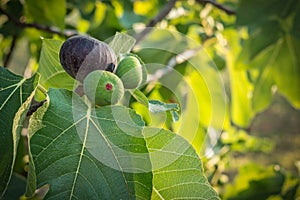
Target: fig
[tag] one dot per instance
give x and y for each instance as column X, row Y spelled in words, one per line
column 79, row 55
column 130, row 71
column 103, row 88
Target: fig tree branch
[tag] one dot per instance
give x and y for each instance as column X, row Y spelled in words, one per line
column 159, row 17
column 49, row 29
column 217, row 5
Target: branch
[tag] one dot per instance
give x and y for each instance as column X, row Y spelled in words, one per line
column 44, row 28
column 175, row 60
column 159, row 17
column 217, row 5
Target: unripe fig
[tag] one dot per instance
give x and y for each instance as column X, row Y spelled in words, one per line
column 79, row 55
column 103, row 88
column 130, row 71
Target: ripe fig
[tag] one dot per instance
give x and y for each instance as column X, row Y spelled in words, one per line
column 103, row 88
column 79, row 55
column 130, row 71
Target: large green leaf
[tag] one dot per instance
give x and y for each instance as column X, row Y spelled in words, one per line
column 177, row 169
column 101, row 153
column 88, row 153
column 51, row 13
column 52, row 73
column 15, row 97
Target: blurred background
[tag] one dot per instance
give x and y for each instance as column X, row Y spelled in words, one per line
column 235, row 71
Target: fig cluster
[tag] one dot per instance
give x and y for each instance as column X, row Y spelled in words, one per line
column 94, row 64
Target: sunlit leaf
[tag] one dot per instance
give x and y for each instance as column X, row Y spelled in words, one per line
column 177, row 169
column 241, row 97
column 122, row 43
column 52, row 73
column 16, row 93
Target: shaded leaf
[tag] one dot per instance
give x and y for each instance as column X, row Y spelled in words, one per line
column 83, row 152
column 43, row 12
column 259, row 41
column 275, row 56
column 15, row 97
column 287, row 69
column 16, row 187
column 256, row 12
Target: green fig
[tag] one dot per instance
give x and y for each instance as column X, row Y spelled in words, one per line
column 130, row 71
column 79, row 55
column 103, row 88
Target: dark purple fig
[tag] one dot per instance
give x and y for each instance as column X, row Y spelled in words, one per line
column 79, row 55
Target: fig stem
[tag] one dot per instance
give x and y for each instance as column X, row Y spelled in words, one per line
column 42, row 89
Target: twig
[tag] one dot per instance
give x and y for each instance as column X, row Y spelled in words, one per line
column 175, row 60
column 160, row 16
column 44, row 28
column 11, row 49
column 217, row 5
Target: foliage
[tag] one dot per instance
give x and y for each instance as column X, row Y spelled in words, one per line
column 212, row 68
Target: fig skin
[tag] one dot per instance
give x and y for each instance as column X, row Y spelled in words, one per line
column 130, row 71
column 103, row 88
column 79, row 55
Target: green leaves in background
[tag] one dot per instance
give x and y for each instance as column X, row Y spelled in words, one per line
column 52, row 73
column 51, row 13
column 256, row 182
column 266, row 60
column 195, row 84
column 257, row 12
column 16, row 93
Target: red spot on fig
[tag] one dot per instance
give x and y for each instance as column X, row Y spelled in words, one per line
column 108, row 86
